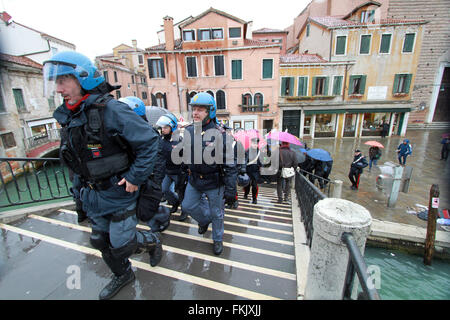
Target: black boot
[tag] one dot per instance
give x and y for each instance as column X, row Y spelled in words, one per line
column 117, row 283
column 175, row 207
column 218, row 247
column 81, row 216
column 203, row 229
column 183, row 215
column 254, row 201
column 156, row 254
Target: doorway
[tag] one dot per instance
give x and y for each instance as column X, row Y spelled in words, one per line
column 291, row 121
column 442, row 110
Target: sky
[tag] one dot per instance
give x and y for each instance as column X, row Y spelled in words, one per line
column 97, row 26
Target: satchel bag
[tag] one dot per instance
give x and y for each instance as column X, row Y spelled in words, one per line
column 286, row 172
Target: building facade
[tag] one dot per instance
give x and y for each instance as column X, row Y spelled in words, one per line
column 217, row 55
column 361, row 74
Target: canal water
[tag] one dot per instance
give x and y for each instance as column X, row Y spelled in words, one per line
column 405, row 277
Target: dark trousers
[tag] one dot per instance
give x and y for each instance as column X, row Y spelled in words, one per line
column 254, row 187
column 354, row 176
column 444, row 153
column 283, row 187
column 402, row 159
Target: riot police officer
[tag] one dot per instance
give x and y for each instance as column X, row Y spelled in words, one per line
column 95, row 127
column 214, row 177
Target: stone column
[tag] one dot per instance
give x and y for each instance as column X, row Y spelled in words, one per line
column 329, row 255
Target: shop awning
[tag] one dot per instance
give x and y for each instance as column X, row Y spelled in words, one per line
column 311, row 112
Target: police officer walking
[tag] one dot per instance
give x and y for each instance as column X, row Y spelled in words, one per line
column 95, row 127
column 215, row 178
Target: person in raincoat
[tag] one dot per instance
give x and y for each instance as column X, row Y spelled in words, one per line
column 404, row 150
column 356, row 168
column 374, row 156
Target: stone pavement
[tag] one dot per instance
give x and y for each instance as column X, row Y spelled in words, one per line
column 428, row 169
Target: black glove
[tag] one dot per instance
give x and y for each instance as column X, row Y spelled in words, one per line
column 230, row 198
column 148, row 202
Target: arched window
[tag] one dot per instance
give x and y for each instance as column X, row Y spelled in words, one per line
column 210, row 92
column 161, row 100
column 247, row 99
column 220, row 99
column 259, row 99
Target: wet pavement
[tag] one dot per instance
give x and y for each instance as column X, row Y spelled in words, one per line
column 428, row 169
column 51, row 258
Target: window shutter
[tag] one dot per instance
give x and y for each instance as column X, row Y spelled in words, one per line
column 337, row 85
column 199, row 34
column 365, row 44
column 340, row 44
column 409, row 42
column 291, row 86
column 267, row 68
column 362, row 85
column 165, row 100
column 313, row 92
column 243, row 100
column 219, row 66
column 150, row 69
column 301, row 86
column 161, row 62
column 385, row 43
column 351, row 85
column 154, row 103
column 325, row 86
column 408, row 82
column 283, row 87
column 395, row 87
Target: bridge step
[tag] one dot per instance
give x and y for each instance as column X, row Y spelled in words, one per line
column 257, row 262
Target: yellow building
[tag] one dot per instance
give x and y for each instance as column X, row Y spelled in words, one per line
column 350, row 74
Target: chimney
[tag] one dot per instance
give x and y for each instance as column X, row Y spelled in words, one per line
column 134, row 42
column 168, row 33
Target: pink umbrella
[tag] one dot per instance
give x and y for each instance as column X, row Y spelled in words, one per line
column 374, row 144
column 446, row 135
column 245, row 138
column 284, row 136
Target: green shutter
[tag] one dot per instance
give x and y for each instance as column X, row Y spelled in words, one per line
column 236, row 69
column 267, row 68
column 362, row 84
column 396, row 80
column 350, row 85
column 291, row 86
column 283, row 87
column 365, row 44
column 18, row 97
column 340, row 44
column 163, row 73
column 337, row 85
column 408, row 82
column 325, row 89
column 313, row 92
column 385, row 43
column 302, row 86
column 409, row 42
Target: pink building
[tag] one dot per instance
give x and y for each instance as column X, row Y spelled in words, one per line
column 272, row 36
column 217, row 55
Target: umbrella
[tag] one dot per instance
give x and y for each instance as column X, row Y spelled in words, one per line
column 285, row 137
column 153, row 113
column 319, row 154
column 245, row 138
column 446, row 135
column 299, row 152
column 374, row 144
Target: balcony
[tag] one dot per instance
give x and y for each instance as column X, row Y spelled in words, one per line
column 254, row 108
column 41, row 139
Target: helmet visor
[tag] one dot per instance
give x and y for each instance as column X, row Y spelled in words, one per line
column 53, row 70
column 164, row 121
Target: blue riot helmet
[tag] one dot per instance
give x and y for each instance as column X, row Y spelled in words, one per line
column 204, row 99
column 136, row 104
column 168, row 119
column 243, row 180
column 70, row 63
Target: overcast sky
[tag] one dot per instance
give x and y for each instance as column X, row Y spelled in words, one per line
column 96, row 26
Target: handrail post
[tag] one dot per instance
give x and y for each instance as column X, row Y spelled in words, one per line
column 337, row 189
column 329, row 255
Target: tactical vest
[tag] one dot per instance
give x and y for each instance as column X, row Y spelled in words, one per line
column 89, row 151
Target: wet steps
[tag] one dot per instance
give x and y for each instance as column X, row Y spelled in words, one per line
column 257, row 261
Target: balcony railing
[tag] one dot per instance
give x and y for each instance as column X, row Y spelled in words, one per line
column 254, row 108
column 41, row 139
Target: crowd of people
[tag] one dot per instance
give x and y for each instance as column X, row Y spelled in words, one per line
column 123, row 168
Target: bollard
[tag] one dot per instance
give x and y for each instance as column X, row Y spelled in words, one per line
column 398, row 172
column 337, row 190
column 329, row 256
column 433, row 206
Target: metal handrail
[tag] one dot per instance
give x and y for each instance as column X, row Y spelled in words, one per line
column 357, row 263
column 42, row 181
column 38, row 140
column 327, row 183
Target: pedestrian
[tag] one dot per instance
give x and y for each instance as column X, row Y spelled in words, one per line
column 356, row 168
column 384, row 129
column 322, row 170
column 288, row 160
column 216, row 178
column 404, row 150
column 445, row 148
column 96, row 127
column 374, row 156
column 253, row 170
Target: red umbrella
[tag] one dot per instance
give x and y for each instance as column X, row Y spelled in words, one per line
column 245, row 137
column 374, row 144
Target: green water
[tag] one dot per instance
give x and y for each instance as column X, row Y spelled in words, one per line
column 44, row 183
column 405, row 277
